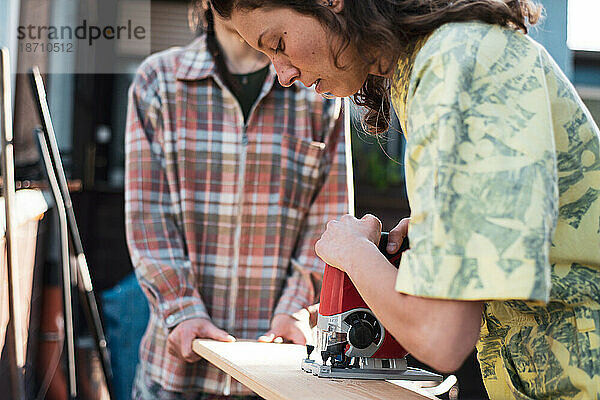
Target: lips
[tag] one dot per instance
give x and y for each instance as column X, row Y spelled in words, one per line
column 313, row 83
column 318, row 87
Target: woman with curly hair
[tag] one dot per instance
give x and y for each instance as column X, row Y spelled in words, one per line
column 503, row 178
column 230, row 180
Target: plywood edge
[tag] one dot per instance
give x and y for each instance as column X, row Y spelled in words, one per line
column 258, row 366
column 243, row 376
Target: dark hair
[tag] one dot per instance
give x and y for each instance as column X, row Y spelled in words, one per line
column 202, row 22
column 392, row 28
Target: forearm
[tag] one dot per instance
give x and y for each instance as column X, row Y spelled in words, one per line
column 441, row 333
column 153, row 224
column 168, row 286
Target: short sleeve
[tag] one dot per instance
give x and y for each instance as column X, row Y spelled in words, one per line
column 480, row 168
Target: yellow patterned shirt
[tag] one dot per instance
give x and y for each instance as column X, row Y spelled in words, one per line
column 503, row 177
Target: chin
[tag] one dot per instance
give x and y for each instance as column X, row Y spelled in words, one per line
column 342, row 92
column 347, row 91
column 340, row 89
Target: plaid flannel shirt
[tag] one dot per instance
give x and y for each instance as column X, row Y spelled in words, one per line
column 222, row 216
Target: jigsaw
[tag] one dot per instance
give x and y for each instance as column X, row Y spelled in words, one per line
column 351, row 341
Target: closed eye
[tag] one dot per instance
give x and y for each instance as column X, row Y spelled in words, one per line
column 280, row 46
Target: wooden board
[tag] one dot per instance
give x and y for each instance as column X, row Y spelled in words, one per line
column 273, row 371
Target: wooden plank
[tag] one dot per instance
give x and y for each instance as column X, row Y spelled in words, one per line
column 273, row 371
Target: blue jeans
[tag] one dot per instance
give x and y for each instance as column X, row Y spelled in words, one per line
column 125, row 311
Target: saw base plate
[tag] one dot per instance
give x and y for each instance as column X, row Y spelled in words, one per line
column 410, row 374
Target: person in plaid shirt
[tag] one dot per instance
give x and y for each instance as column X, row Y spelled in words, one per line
column 230, row 180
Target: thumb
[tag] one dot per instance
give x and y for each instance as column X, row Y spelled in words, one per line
column 397, row 235
column 268, row 337
column 215, row 333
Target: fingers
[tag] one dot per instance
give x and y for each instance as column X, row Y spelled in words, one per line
column 397, row 235
column 296, row 336
column 373, row 227
column 212, row 332
column 368, row 223
column 337, row 244
column 319, row 248
column 179, row 344
column 331, row 224
column 179, row 341
column 271, row 337
column 313, row 310
column 268, row 337
column 187, row 351
column 286, row 328
column 373, row 220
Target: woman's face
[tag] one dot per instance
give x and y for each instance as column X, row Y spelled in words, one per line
column 301, row 49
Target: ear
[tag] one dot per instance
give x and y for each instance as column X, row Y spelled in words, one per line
column 336, row 5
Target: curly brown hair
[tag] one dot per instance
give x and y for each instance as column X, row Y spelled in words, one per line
column 383, row 31
column 201, row 22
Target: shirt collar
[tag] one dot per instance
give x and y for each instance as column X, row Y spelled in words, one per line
column 196, row 62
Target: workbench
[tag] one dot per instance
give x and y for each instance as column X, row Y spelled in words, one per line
column 273, row 372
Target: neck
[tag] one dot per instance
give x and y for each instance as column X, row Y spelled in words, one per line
column 239, row 56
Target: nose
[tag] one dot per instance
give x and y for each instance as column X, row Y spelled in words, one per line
column 286, row 72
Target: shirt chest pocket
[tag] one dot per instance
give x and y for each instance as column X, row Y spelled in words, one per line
column 299, row 171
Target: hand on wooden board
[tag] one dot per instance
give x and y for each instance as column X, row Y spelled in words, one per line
column 287, row 329
column 179, row 341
